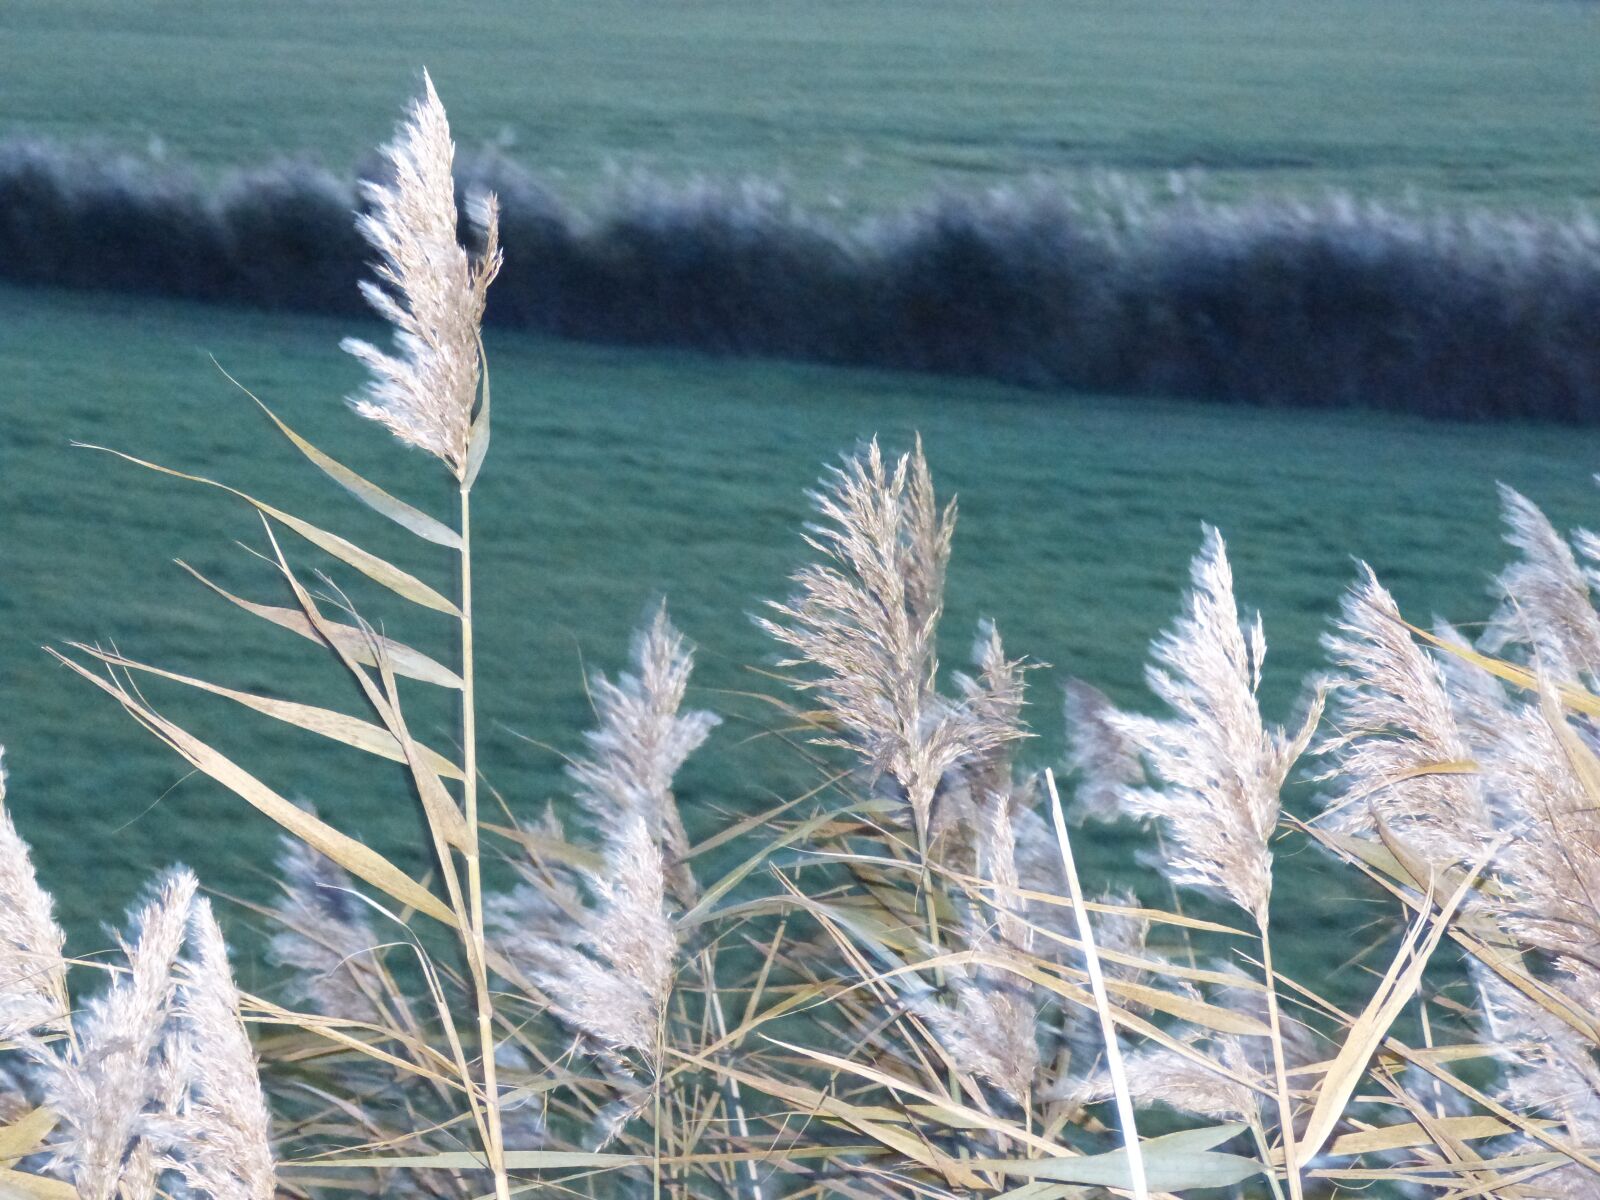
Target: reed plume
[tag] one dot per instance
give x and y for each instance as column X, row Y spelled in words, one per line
column 105, row 1088
column 33, row 971
column 867, row 618
column 991, row 1029
column 325, row 936
column 1394, row 721
column 1477, row 698
column 1158, row 1075
column 226, row 1130
column 1545, row 600
column 642, row 738
column 1099, row 754
column 1543, row 776
column 608, row 970
column 994, row 698
column 1549, row 1068
column 1218, row 768
column 428, row 288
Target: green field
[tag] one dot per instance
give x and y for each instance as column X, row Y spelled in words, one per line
column 1484, row 99
column 619, row 476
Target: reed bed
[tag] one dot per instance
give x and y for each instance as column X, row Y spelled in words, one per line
column 890, row 985
column 1101, row 285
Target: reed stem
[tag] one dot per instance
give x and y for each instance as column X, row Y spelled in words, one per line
column 473, row 934
column 1097, row 985
column 1285, row 1104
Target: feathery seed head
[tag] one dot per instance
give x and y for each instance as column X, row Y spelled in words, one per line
column 641, row 740
column 867, row 618
column 1551, row 864
column 1394, row 718
column 1219, row 767
column 1159, row 1075
column 990, row 1031
column 1099, row 754
column 429, row 289
column 105, row 1091
column 325, row 936
column 608, row 969
column 1550, row 1068
column 1545, row 602
column 33, row 971
column 225, row 1148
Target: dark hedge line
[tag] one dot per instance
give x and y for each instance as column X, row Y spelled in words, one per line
column 1265, row 301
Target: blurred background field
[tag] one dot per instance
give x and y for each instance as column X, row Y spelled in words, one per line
column 620, row 475
column 1472, row 98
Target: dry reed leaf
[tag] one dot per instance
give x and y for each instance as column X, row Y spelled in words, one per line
column 1368, row 1031
column 463, row 1160
column 356, row 857
column 1176, row 1162
column 374, row 497
column 358, row 644
column 1575, row 698
column 479, row 434
column 26, row 1134
column 378, row 570
column 824, row 1105
column 1412, row 1135
column 38, row 1187
column 445, row 819
column 1134, row 1165
column 337, row 726
column 968, row 1117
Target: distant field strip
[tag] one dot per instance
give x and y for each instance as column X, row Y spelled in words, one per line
column 1329, row 302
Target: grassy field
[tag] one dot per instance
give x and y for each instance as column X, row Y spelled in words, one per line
column 622, row 476
column 1482, row 99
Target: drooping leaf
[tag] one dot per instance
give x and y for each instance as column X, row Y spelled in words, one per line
column 413, row 664
column 369, row 493
column 379, row 570
column 337, row 726
column 356, row 857
column 25, row 1135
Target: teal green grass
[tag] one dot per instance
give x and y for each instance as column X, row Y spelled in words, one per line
column 618, row 477
column 1478, row 99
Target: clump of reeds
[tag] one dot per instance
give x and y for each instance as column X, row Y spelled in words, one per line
column 897, row 986
column 608, row 967
column 153, row 1078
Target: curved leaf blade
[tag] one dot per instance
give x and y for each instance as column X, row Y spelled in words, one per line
column 379, row 570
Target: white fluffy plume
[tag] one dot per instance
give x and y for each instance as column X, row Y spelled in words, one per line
column 1219, row 769
column 429, row 289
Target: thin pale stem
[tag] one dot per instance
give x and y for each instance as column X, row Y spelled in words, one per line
column 1265, row 1151
column 931, row 907
column 1102, row 1004
column 473, row 934
column 655, row 1157
column 1285, row 1102
column 735, row 1099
